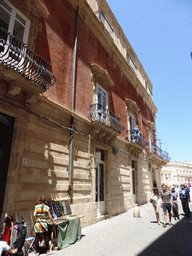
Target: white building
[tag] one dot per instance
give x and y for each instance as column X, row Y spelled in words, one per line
column 176, row 173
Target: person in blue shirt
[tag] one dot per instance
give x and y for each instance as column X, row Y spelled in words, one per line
column 136, row 133
column 184, row 196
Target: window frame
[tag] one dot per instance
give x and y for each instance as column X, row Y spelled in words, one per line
column 98, row 86
column 13, row 18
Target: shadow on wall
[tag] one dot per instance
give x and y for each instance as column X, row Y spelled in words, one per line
column 120, row 185
column 44, row 168
column 143, row 183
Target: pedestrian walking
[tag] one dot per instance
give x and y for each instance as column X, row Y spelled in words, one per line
column 156, row 202
column 184, row 197
column 41, row 227
column 175, row 204
column 166, row 203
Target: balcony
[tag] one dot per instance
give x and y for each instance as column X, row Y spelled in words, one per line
column 157, row 155
column 17, row 58
column 106, row 125
column 136, row 145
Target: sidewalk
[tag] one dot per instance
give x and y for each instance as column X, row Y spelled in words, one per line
column 124, row 235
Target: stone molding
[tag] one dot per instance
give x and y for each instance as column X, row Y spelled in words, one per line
column 132, row 106
column 154, row 159
column 15, row 85
column 151, row 125
column 101, row 76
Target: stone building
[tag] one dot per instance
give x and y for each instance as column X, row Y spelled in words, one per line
column 67, row 128
column 177, row 173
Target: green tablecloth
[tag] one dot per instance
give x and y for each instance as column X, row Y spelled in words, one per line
column 68, row 233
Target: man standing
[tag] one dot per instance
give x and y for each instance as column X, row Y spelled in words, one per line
column 167, row 201
column 184, row 196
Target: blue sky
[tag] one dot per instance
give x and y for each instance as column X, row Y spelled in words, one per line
column 160, row 32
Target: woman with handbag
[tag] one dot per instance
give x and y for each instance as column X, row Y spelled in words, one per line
column 156, row 201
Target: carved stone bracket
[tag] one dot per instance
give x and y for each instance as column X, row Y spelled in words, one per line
column 134, row 149
column 154, row 159
column 104, row 133
column 151, row 125
column 101, row 76
column 14, row 85
column 132, row 106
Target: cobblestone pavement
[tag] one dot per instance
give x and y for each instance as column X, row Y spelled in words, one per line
column 124, row 235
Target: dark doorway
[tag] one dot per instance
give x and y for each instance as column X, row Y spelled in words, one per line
column 6, row 135
column 100, row 181
column 134, row 179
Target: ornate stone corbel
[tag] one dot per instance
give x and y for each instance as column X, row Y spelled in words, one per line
column 151, row 125
column 13, row 91
column 132, row 106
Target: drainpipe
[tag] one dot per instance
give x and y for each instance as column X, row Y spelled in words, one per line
column 70, row 189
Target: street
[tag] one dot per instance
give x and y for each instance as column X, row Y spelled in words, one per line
column 124, row 235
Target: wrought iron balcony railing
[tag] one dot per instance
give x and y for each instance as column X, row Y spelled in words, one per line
column 158, row 151
column 139, row 139
column 102, row 115
column 16, row 55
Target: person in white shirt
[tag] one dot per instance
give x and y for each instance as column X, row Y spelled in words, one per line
column 4, row 247
column 156, row 201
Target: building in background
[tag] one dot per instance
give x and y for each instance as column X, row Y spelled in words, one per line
column 71, row 124
column 177, row 173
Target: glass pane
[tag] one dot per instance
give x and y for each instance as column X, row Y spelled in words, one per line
column 104, row 102
column 18, row 30
column 99, row 97
column 4, row 18
column 20, row 19
column 102, row 155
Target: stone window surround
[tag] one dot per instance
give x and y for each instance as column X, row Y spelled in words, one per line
column 100, row 76
column 132, row 109
column 32, row 10
column 13, row 13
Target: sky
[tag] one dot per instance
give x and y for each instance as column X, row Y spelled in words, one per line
column 160, row 32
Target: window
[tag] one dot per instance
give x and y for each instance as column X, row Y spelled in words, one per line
column 102, row 104
column 13, row 21
column 132, row 121
column 131, row 126
column 102, row 96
